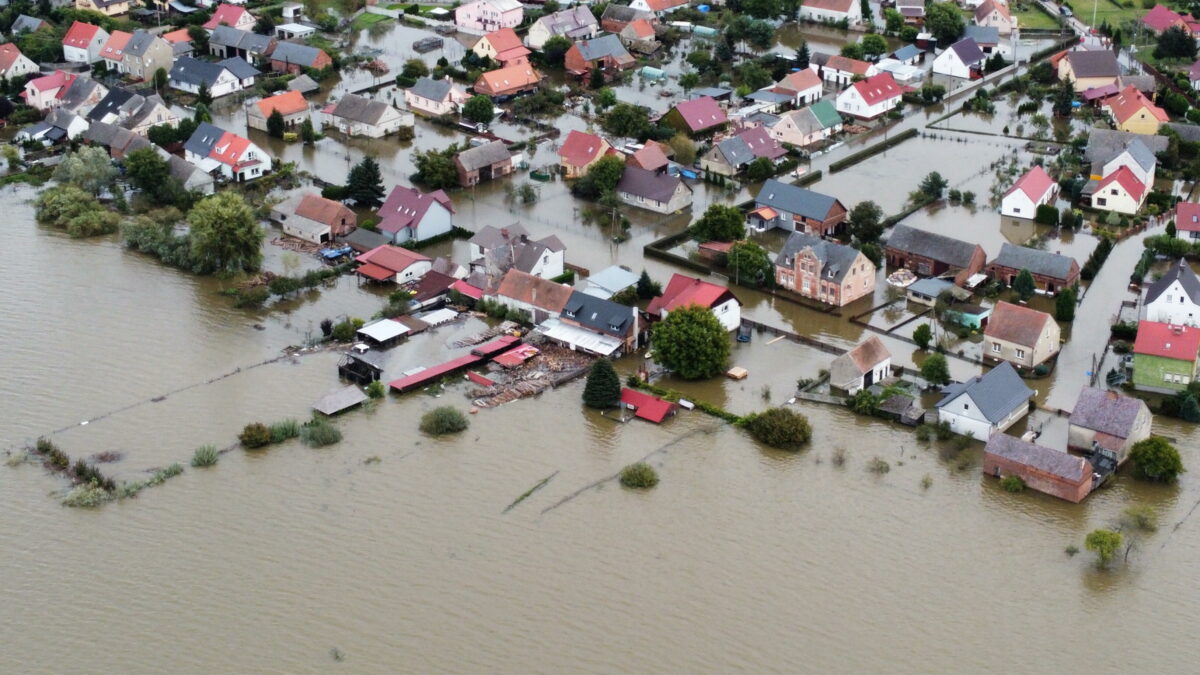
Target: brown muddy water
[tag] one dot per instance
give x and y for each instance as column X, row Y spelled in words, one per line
column 742, row 559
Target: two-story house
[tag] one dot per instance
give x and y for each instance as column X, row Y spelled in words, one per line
column 825, row 271
column 1020, row 335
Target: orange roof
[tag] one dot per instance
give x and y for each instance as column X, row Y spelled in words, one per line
column 391, row 258
column 801, row 80
column 641, row 28
column 177, row 36
column 80, row 35
column 536, row 291
column 839, row 62
column 508, row 79
column 287, row 103
column 664, row 5
column 114, row 48
column 229, row 149
column 9, row 53
column 1016, row 324
column 503, row 39
column 580, row 148
column 1130, row 102
column 322, row 210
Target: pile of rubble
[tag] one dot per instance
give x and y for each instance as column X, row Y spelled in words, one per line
column 550, row 368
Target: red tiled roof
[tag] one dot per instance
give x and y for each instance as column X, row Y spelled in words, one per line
column 664, row 5
column 1167, row 341
column 322, row 210
column 177, row 36
column 701, row 113
column 651, row 157
column 1128, row 182
column 878, row 88
column 830, row 5
column 684, row 291
column 57, row 80
column 9, row 53
column 1016, row 324
column 761, row 143
column 406, row 205
column 80, row 35
column 1187, row 217
column 986, row 8
column 580, row 148
column 376, row 272
column 503, row 40
column 512, row 54
column 507, row 79
column 225, row 14
column 114, row 47
column 646, row 406
column 801, row 80
column 229, row 149
column 839, row 62
column 535, row 291
column 1161, row 18
column 1130, row 102
column 467, row 289
column 1034, row 184
column 287, row 103
column 641, row 28
column 391, row 258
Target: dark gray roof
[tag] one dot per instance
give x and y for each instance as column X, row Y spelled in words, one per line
column 985, row 35
column 434, row 90
column 624, row 13
column 936, row 246
column 1141, row 154
column 1106, row 411
column 290, row 52
column 605, row 45
column 997, row 393
column 363, row 240
column 638, row 182
column 1093, row 63
column 229, row 36
column 598, row 314
column 1104, row 144
column 139, row 42
column 906, row 52
column 1039, row 457
column 100, row 133
column 1036, row 261
column 768, row 96
column 203, row 139
column 1179, row 272
column 487, row 154
column 489, row 237
column 112, row 104
column 570, row 21
column 181, row 169
column 736, row 152
column 360, row 109
column 836, row 259
column 303, row 84
column 795, row 199
column 194, row 71
column 25, row 24
column 714, row 92
column 968, row 51
column 240, row 68
column 766, row 119
column 818, row 59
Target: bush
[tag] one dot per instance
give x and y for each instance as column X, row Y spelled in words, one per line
column 205, row 455
column 376, row 389
column 284, row 430
column 89, row 495
column 320, row 433
column 1104, row 543
column 879, row 466
column 344, row 331
column 603, row 387
column 1012, row 484
column 1156, row 459
column 255, row 435
column 443, row 420
column 1046, row 214
column 1140, row 516
column 639, row 475
column 779, row 428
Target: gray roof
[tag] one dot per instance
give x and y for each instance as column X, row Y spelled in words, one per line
column 240, row 68
column 906, row 52
column 1179, row 272
column 818, row 59
column 1141, row 154
column 340, row 399
column 183, row 170
column 568, row 21
column 1104, row 144
column 624, row 13
column 968, row 51
column 836, row 259
column 147, row 106
column 1036, row 261
column 605, row 45
column 139, row 42
column 659, row 187
column 489, row 237
column 1106, row 411
column 363, row 240
column 714, row 92
column 766, row 119
column 473, row 159
column 291, row 52
column 1039, row 457
column 598, row 314
column 100, row 133
column 936, row 246
column 194, row 71
column 303, row 84
column 25, row 24
column 997, row 393
column 930, row 286
column 985, row 35
column 609, row 281
column 79, row 91
column 805, row 120
column 434, row 90
column 1093, row 63
column 795, row 199
column 114, row 103
column 735, row 150
column 203, row 139
column 768, row 96
column 229, row 36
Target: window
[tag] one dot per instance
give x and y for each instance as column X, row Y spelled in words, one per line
column 995, row 347
column 1020, row 353
column 1016, row 209
column 1100, row 201
column 1168, row 377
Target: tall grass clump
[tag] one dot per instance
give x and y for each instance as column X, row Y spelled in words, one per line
column 319, row 433
column 255, row 435
column 1012, row 484
column 639, row 475
column 284, row 430
column 443, row 420
column 205, row 455
column 87, row 495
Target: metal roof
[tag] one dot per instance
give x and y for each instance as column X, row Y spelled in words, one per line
column 795, row 199
column 996, row 394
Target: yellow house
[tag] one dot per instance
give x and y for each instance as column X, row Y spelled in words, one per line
column 1088, row 69
column 106, row 7
column 1133, row 112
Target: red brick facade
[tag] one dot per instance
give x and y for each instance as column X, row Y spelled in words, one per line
column 1056, row 486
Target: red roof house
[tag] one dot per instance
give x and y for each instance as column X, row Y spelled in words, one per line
column 1170, row 342
column 1121, row 180
column 82, row 42
column 685, row 291
column 1135, row 113
column 114, row 48
column 646, row 406
column 872, row 97
column 580, row 151
column 504, row 46
column 46, row 92
column 393, row 263
column 651, row 157
column 1033, row 189
column 1161, row 18
column 1187, row 219
column 231, row 15
column 699, row 115
column 411, row 215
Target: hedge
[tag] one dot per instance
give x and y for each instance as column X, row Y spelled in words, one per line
column 674, row 396
column 455, row 232
column 851, row 160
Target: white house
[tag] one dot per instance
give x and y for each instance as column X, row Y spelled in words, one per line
column 494, row 250
column 963, row 59
column 867, row 364
column 1175, row 298
column 14, row 64
column 985, row 404
column 1138, row 158
column 213, row 149
column 356, row 115
column 576, row 23
column 82, row 43
column 221, row 78
column 485, row 16
column 659, row 8
column 1033, row 189
column 831, row 11
column 411, row 215
column 1119, row 191
column 683, row 291
column 995, row 14
column 393, row 263
column 435, row 97
column 870, row 98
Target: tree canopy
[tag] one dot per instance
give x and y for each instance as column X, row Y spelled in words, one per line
column 627, row 120
column 750, row 263
column 1175, row 43
column 435, row 168
column 1024, row 285
column 781, row 428
column 364, row 184
column 479, row 109
column 88, row 168
column 866, row 221
column 945, row 22
column 601, row 178
column 224, row 237
column 1156, row 459
column 275, row 124
column 691, row 342
column 935, row 369
column 603, row 387
column 720, row 223
column 1104, row 543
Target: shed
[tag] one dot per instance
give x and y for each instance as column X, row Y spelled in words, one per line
column 383, row 333
column 361, row 365
column 1046, row 470
column 646, row 406
column 339, row 400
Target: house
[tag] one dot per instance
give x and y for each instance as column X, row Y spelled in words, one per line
column 605, row 52
column 761, row 144
column 576, row 23
column 1194, row 75
column 502, row 46
column 180, row 41
column 868, row 363
column 1051, row 272
column 435, row 97
column 82, row 42
column 831, row 11
column 807, row 126
column 1120, row 191
column 232, row 16
column 652, row 157
column 190, row 176
column 1187, row 221
column 131, row 111
column 393, row 263
column 1035, row 188
column 113, row 51
column 219, row 78
column 594, row 325
column 290, row 104
column 13, row 64
column 698, row 116
column 28, row 24
column 1087, row 69
column 1106, row 144
column 1131, row 111
column 236, row 158
column 105, row 7
column 616, row 17
column 411, row 215
column 793, row 208
column 658, row 8
column 804, row 86
column 911, row 55
column 1160, row 18
column 913, row 11
column 926, row 291
column 356, row 115
column 727, row 157
column 227, row 41
column 985, row 405
column 495, row 250
column 538, row 298
column 82, row 95
column 507, row 82
column 832, row 273
column 988, row 39
column 654, row 191
column 995, row 14
column 963, row 59
column 119, row 142
column 640, row 37
column 647, row 407
column 870, row 98
column 58, row 127
column 609, row 282
column 47, row 91
column 303, row 84
column 1175, row 298
column 484, row 16
column 1046, row 470
column 314, row 218
column 1136, row 156
column 289, row 57
column 1020, row 335
column 840, row 70
column 145, row 53
column 685, row 291
column 1164, row 356
column 934, row 255
column 1108, row 420
column 580, row 151
column 483, row 163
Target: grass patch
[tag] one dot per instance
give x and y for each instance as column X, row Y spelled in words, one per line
column 639, row 476
column 367, row 20
column 1012, row 484
column 205, row 455
column 1140, row 516
column 320, row 433
column 878, row 466
column 89, row 495
column 284, row 430
column 926, row 482
column 1030, row 16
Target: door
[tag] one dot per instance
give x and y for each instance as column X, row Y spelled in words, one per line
column 869, row 378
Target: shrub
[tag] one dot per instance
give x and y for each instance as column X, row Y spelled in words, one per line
column 284, row 430
column 443, row 420
column 1156, row 459
column 205, row 455
column 320, row 433
column 1140, row 516
column 926, row 482
column 1012, row 484
column 344, row 331
column 879, row 466
column 1104, row 543
column 779, row 428
column 376, row 389
column 639, row 475
column 603, row 387
column 89, row 495
column 255, row 435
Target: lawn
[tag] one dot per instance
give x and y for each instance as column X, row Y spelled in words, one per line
column 1107, row 10
column 1029, row 16
column 368, row 20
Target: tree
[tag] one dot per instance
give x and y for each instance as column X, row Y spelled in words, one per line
column 443, row 420
column 1024, row 285
column 1189, row 409
column 868, row 15
column 691, row 342
column 1064, row 305
column 307, row 133
column 781, row 428
column 596, row 79
column 750, row 263
column 479, row 110
column 435, row 168
column 160, row 79
column 201, row 114
column 225, row 237
column 684, row 148
column 754, row 75
column 759, row 170
column 605, row 98
column 1104, row 543
column 933, row 185
column 720, row 223
column 1156, row 459
column 627, row 120
column 1171, row 230
column 414, row 68
column 893, row 20
column 203, row 96
column 945, row 22
column 1175, row 43
column 88, row 168
column 935, row 370
column 923, row 335
column 1064, row 98
column 874, row 45
column 601, row 178
column 689, row 80
column 275, row 124
column 762, row 9
column 647, row 288
column 150, row 173
column 866, row 221
column 803, row 55
column 853, row 50
column 554, row 51
column 603, row 388
column 365, row 183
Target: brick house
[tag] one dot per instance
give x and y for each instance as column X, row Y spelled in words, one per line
column 793, row 208
column 1055, row 473
column 1051, row 272
column 605, row 52
column 289, row 57
column 699, row 116
column 933, row 255
column 1108, row 420
column 483, row 163
column 507, row 82
column 1020, row 335
column 580, row 151
column 825, row 271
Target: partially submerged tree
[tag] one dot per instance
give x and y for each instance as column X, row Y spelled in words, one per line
column 1024, row 285
column 88, row 168
column 1104, row 543
column 781, row 428
column 923, row 335
column 603, row 387
column 866, row 221
column 479, row 109
column 935, row 369
column 225, row 236
column 720, row 223
column 365, row 183
column 275, row 124
column 750, row 263
column 1155, row 459
column 691, row 342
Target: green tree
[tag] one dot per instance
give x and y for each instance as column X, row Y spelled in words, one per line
column 203, row 95
column 893, row 20
column 201, row 114
column 365, row 183
column 596, row 79
column 803, row 55
column 626, row 120
column 150, row 173
column 923, row 335
column 933, row 185
column 307, row 133
column 88, row 168
column 853, row 50
column 1156, row 459
column 1171, row 230
column 554, row 51
column 1189, row 409
column 866, row 221
column 945, row 22
column 874, row 44
column 443, row 420
column 160, row 79
column 759, row 170
column 689, row 80
column 720, row 223
column 762, row 9
column 601, row 178
column 75, row 210
column 750, row 263
column 1064, row 305
column 684, row 148
column 1024, row 285
column 603, row 387
column 275, row 124
column 1175, row 43
column 605, row 98
column 435, row 168
column 754, row 75
column 414, row 69
column 479, row 109
column 691, row 342
column 781, row 428
column 646, row 287
column 224, row 237
column 935, row 370
column 1104, row 543
column 1064, row 97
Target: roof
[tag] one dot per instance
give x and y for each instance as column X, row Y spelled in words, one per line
column 1141, row 155
column 1101, row 92
column 536, row 291
column 112, row 103
column 685, row 291
column 59, row 79
column 1169, row 342
column 240, row 67
column 291, row 52
column 795, row 199
column 383, row 330
column 650, row 157
column 1161, row 18
column 1016, row 324
column 140, row 42
column 983, row 35
column 866, row 355
column 1179, row 272
column 114, row 46
column 241, row 39
column 9, row 53
column 1054, row 462
column 640, row 28
column 996, row 393
column 567, row 21
column 609, row 281
column 1035, row 183
column 393, row 258
column 360, row 109
column 761, row 144
column 639, row 182
column 229, row 149
column 581, row 149
column 406, row 205
column 1187, row 216
column 1106, row 411
column 826, row 113
column 339, row 400
column 80, row 35
column 225, row 14
column 26, row 23
column 836, row 259
column 664, row 5
column 607, row 45
column 829, row 5
column 1039, row 262
column 1104, row 144
column 770, row 96
column 287, row 103
column 488, row 154
column 1093, row 63
column 188, row 70
column 177, row 36
column 1128, row 182
column 735, row 150
column 646, row 406
column 489, row 237
column 622, row 13
column 303, row 84
column 434, row 90
column 701, row 113
column 510, row 77
column 929, row 286
column 911, row 51
column 322, row 210
column 987, row 7
column 939, row 247
column 878, row 88
column 1130, row 102
column 800, row 80
column 503, row 5
column 599, row 314
column 968, row 51
column 80, row 89
column 843, row 63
